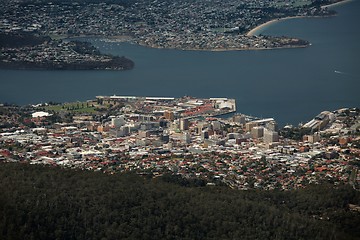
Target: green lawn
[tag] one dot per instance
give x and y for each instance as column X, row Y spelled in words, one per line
column 79, row 107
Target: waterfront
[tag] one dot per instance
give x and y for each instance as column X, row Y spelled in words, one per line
column 291, row 85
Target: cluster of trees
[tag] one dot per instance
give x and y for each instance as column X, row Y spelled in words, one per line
column 20, row 39
column 41, row 202
column 295, row 133
column 87, row 48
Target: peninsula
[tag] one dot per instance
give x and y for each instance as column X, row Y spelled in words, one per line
column 200, row 25
column 23, row 50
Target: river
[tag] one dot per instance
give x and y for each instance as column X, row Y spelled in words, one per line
column 291, row 85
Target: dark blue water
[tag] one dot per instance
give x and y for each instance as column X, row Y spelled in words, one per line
column 291, row 85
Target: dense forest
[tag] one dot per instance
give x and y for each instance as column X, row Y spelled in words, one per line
column 42, row 202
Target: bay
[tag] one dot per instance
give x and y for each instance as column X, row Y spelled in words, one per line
column 291, row 85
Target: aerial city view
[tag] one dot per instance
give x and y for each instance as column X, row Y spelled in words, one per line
column 179, row 119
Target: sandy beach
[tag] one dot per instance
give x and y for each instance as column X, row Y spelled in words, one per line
column 258, row 28
column 336, row 4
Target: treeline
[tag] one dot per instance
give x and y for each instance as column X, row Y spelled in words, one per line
column 116, row 63
column 40, row 202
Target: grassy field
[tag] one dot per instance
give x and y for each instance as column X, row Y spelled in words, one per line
column 79, row 107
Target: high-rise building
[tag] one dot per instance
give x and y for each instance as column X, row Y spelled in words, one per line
column 314, row 138
column 272, row 126
column 257, row 132
column 270, row 136
column 250, row 125
column 184, row 124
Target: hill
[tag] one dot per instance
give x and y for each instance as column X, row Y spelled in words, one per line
column 39, row 202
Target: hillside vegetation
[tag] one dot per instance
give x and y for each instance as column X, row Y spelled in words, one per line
column 39, row 202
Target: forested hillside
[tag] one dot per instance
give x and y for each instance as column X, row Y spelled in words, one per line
column 39, row 202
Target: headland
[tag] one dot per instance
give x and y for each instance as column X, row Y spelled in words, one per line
column 159, row 24
column 22, row 50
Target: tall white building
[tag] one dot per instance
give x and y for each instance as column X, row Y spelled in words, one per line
column 272, row 126
column 257, row 132
column 270, row 136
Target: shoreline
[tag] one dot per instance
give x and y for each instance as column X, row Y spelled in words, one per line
column 336, row 4
column 253, row 32
column 226, row 49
